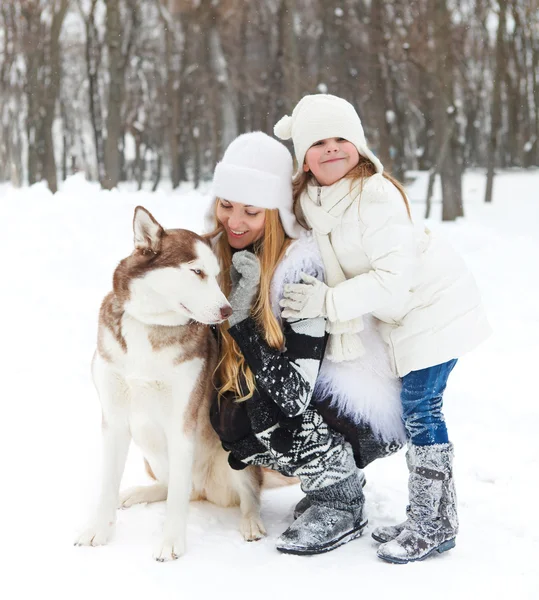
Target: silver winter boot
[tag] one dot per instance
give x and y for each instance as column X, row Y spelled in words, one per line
column 389, row 532
column 335, row 516
column 432, row 522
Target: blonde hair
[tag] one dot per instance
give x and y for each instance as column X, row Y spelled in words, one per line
column 232, row 370
column 365, row 168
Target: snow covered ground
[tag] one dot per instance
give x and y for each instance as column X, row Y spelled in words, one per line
column 59, row 253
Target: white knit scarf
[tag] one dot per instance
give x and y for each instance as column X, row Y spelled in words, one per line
column 323, row 208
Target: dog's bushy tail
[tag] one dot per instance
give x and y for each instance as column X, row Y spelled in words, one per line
column 274, row 479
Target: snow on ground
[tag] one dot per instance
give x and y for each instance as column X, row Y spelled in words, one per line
column 59, row 253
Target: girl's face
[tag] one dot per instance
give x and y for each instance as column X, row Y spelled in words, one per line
column 330, row 160
column 243, row 223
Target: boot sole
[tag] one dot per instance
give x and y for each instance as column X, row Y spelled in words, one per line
column 347, row 537
column 443, row 547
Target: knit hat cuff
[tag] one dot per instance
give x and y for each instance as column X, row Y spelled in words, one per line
column 323, row 131
column 250, row 186
column 255, row 188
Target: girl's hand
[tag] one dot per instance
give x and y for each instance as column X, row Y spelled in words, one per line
column 304, row 300
column 245, row 280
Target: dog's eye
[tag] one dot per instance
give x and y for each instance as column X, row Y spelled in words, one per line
column 197, row 271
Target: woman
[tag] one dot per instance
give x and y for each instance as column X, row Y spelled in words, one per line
column 265, row 411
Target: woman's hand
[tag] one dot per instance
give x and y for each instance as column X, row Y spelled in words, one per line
column 245, row 280
column 304, row 300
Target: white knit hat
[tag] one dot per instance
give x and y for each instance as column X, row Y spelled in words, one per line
column 323, row 116
column 257, row 170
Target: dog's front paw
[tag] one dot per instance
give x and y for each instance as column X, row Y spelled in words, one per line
column 97, row 534
column 169, row 549
column 252, row 528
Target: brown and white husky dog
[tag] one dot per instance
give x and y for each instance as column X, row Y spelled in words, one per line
column 153, row 371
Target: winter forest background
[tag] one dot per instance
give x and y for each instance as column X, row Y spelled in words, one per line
column 142, row 95
column 147, row 90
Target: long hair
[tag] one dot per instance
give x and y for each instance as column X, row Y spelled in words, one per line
column 232, row 372
column 365, row 168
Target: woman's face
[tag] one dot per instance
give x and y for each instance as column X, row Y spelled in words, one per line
column 330, row 160
column 243, row 223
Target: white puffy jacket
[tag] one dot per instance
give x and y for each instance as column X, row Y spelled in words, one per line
column 409, row 278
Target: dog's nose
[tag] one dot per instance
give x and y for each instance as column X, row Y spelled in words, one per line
column 226, row 311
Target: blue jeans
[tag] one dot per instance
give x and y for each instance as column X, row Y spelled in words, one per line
column 421, row 398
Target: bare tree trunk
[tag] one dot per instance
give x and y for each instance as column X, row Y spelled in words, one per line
column 533, row 23
column 65, row 140
column 16, row 159
column 535, row 71
column 157, row 174
column 430, row 190
column 436, row 167
column 516, row 105
column 226, row 99
column 241, row 105
column 138, row 162
column 285, row 88
column 115, row 98
column 32, row 16
column 378, row 74
column 446, row 113
column 496, row 111
column 195, row 137
column 93, row 61
column 172, row 58
column 428, row 157
column 197, row 89
column 51, row 97
column 11, row 98
column 119, row 37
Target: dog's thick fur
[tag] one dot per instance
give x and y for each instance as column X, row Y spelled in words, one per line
column 153, row 371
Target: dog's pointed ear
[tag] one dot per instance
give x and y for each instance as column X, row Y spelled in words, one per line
column 148, row 232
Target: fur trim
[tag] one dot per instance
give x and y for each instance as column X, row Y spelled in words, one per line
column 365, row 389
column 302, row 256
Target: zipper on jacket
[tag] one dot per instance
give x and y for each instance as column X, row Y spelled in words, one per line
column 318, row 196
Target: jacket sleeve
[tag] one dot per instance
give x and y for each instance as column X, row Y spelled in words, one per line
column 288, row 376
column 389, row 242
column 231, row 422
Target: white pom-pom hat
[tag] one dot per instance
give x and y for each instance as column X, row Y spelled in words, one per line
column 323, row 116
column 257, row 170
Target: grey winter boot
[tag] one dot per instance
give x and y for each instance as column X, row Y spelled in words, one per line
column 305, row 502
column 432, row 522
column 389, row 532
column 335, row 517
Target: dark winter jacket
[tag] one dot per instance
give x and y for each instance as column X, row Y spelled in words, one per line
column 282, row 413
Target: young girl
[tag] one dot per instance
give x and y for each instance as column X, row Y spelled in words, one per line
column 378, row 262
column 265, row 410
